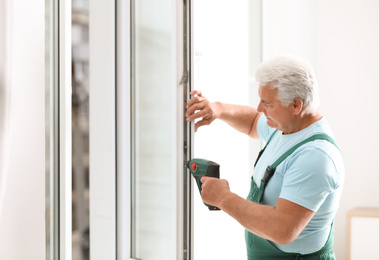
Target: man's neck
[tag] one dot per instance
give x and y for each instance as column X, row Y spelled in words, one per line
column 303, row 121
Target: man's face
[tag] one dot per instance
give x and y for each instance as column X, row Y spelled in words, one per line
column 278, row 116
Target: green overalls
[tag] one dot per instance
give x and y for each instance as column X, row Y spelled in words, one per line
column 259, row 248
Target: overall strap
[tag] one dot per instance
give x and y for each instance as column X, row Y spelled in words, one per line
column 261, row 151
column 270, row 170
column 272, row 136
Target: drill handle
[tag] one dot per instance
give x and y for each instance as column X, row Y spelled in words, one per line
column 200, row 186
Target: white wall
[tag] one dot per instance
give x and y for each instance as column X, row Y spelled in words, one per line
column 4, row 97
column 348, row 71
column 22, row 225
column 340, row 38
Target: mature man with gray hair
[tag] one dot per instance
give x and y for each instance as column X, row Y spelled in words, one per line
column 298, row 176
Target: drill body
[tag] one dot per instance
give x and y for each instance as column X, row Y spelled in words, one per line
column 199, row 168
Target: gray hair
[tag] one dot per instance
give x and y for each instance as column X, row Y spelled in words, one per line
column 293, row 77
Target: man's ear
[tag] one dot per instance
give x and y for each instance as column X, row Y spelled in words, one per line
column 297, row 104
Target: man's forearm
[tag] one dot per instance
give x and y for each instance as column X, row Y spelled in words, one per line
column 252, row 216
column 242, row 118
column 280, row 224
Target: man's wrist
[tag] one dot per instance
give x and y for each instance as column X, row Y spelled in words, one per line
column 227, row 200
column 218, row 109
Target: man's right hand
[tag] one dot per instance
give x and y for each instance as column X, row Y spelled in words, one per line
column 200, row 107
column 242, row 118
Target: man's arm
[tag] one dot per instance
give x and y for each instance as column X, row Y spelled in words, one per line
column 280, row 224
column 242, row 118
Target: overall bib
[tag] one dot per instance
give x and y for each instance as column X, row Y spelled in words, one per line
column 259, row 248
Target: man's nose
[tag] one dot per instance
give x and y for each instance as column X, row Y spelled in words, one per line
column 260, row 107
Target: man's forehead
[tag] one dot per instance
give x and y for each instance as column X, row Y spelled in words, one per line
column 267, row 94
column 266, row 89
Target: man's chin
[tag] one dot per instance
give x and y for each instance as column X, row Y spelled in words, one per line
column 271, row 124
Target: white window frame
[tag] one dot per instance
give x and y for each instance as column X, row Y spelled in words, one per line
column 58, row 132
column 102, row 130
column 123, row 157
column 65, row 186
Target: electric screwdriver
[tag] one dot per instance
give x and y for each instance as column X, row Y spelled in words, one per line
column 199, row 168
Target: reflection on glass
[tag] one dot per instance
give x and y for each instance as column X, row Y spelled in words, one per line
column 154, row 212
column 80, row 130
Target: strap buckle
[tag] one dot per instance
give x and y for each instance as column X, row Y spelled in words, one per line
column 268, row 174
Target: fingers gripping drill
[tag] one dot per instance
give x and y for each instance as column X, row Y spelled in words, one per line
column 201, row 167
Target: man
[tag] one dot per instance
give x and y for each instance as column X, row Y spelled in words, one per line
column 294, row 195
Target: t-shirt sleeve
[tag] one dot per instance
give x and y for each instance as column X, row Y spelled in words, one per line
column 310, row 178
column 263, row 130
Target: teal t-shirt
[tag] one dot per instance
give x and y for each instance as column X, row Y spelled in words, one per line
column 312, row 177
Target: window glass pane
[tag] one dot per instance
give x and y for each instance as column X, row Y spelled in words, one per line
column 80, row 129
column 154, row 209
